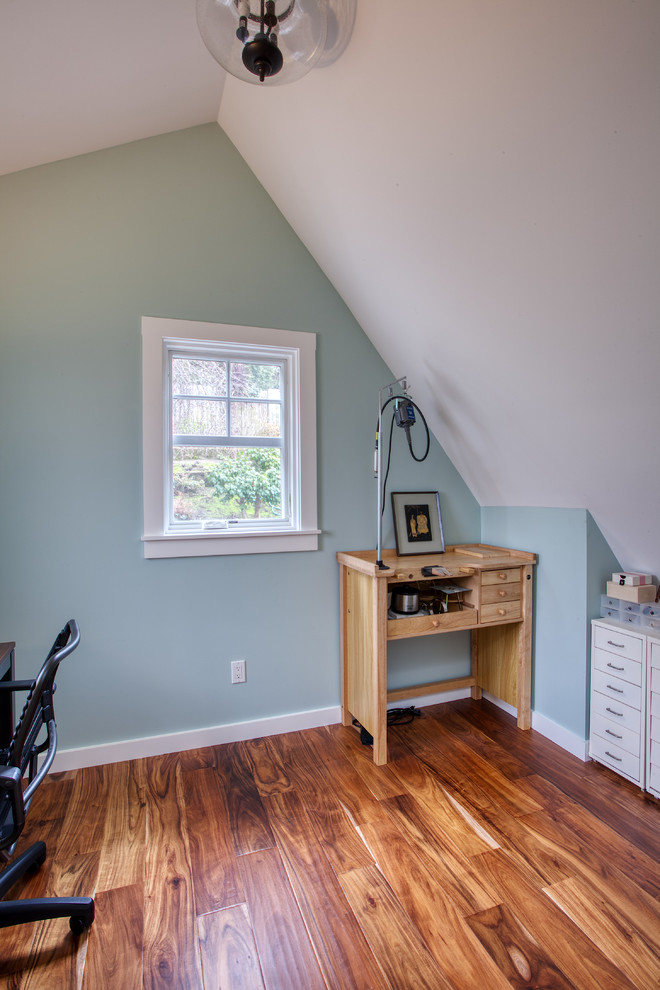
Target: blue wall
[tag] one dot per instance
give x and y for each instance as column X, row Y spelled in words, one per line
column 574, row 563
column 172, row 226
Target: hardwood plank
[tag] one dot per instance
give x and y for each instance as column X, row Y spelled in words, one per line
column 395, row 941
column 57, row 958
column 114, row 949
column 507, row 762
column 250, row 830
column 341, row 950
column 610, row 930
column 380, row 780
column 461, row 766
column 123, row 845
column 431, row 908
column 171, row 951
column 449, row 813
column 285, row 952
column 216, row 877
column 228, row 950
column 593, row 841
column 566, row 944
column 441, row 857
column 519, row 957
column 268, row 770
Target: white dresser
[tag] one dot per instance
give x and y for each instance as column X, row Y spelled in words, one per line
column 625, row 701
column 653, row 717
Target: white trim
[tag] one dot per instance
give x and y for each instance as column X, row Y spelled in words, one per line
column 157, row 334
column 216, row 735
column 179, row 742
column 562, row 737
column 551, row 730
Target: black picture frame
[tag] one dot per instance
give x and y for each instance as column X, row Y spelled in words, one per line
column 417, row 523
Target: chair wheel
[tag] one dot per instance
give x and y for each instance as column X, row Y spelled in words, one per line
column 78, row 925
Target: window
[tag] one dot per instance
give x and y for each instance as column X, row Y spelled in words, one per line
column 229, row 439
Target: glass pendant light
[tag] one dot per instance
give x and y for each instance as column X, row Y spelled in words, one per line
column 264, row 41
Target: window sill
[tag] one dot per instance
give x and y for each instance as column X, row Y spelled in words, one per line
column 220, row 544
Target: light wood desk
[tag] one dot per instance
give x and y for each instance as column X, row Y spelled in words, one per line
column 497, row 609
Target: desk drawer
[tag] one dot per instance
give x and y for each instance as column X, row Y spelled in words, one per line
column 502, row 612
column 504, row 576
column 424, row 625
column 495, row 593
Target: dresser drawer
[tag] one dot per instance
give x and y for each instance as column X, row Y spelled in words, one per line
column 628, row 670
column 615, row 757
column 654, row 654
column 615, row 688
column 505, row 610
column 653, row 783
column 494, row 593
column 617, row 734
column 654, row 727
column 619, row 641
column 616, row 712
column 505, row 576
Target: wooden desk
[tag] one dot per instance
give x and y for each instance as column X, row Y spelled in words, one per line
column 497, row 609
column 6, row 697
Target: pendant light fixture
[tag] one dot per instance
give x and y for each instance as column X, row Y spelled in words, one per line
column 264, row 41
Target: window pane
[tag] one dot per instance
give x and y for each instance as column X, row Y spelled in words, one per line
column 226, row 483
column 255, row 419
column 201, row 417
column 198, row 377
column 255, row 381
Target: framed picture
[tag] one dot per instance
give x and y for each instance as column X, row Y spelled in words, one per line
column 417, row 523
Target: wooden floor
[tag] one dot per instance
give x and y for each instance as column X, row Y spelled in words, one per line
column 480, row 858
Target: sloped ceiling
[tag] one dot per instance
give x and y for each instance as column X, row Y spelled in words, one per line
column 479, row 180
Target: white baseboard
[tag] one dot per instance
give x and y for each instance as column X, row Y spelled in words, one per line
column 178, row 742
column 546, row 727
column 216, row 735
column 568, row 740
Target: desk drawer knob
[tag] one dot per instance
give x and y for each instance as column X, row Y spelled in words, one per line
column 502, row 593
column 501, row 611
column 502, row 575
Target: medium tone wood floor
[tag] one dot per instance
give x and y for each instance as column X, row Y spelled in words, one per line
column 479, row 857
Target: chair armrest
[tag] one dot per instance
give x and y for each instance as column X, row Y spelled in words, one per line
column 11, row 785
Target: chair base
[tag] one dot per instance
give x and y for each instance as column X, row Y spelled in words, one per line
column 79, row 910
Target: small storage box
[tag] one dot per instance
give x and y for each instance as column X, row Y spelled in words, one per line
column 641, row 593
column 606, row 601
column 631, row 578
column 611, row 613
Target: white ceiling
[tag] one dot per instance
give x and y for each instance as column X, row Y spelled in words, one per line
column 478, row 180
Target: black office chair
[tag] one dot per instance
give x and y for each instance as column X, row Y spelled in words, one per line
column 19, row 759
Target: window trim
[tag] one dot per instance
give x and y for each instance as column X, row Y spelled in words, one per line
column 158, row 335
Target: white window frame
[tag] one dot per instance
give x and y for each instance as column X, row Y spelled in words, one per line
column 298, row 530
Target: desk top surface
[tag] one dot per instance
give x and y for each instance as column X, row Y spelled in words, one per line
column 464, row 558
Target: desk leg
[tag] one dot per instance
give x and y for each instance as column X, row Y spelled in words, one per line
column 475, row 690
column 364, row 656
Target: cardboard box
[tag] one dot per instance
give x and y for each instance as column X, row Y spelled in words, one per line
column 632, row 593
column 631, row 578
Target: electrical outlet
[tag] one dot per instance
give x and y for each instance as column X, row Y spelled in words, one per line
column 238, row 672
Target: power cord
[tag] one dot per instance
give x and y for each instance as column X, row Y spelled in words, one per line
column 395, row 716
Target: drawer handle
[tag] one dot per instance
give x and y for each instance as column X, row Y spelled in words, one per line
column 614, row 667
column 618, row 759
column 618, row 690
column 502, row 575
column 435, row 623
column 610, row 733
column 501, row 611
column 619, row 646
column 502, row 593
column 612, row 712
